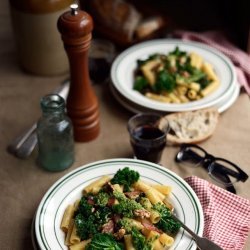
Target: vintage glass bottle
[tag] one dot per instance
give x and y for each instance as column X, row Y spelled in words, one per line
column 55, row 135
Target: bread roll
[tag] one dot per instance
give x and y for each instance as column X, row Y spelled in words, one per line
column 191, row 126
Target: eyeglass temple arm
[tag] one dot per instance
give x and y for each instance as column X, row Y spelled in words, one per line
column 224, row 170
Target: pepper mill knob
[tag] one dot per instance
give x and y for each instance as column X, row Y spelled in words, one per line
column 75, row 27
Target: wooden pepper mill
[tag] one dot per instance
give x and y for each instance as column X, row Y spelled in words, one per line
column 75, row 27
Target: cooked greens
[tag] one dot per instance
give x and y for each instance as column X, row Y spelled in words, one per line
column 125, row 177
column 166, row 223
column 104, row 241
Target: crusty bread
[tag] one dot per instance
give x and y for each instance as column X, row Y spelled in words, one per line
column 191, row 126
column 122, row 23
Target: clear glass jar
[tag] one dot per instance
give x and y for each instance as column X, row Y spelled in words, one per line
column 55, row 135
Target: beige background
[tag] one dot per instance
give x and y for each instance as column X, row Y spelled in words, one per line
column 23, row 183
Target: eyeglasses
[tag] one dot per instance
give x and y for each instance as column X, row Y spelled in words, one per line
column 219, row 169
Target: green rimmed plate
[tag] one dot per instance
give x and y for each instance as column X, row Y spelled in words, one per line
column 67, row 189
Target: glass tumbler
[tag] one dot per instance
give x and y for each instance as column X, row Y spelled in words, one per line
column 146, row 138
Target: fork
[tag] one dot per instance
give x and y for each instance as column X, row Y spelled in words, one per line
column 202, row 242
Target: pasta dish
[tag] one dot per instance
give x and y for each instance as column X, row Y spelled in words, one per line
column 178, row 77
column 120, row 212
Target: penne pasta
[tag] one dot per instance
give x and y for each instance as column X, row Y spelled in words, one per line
column 157, row 245
column 68, row 233
column 80, row 246
column 210, row 88
column 67, row 216
column 95, row 186
column 165, row 190
column 156, row 97
column 174, row 98
column 208, row 69
column 196, row 60
column 166, row 240
column 154, row 216
column 128, row 242
column 74, row 238
column 147, row 70
column 191, row 94
column 153, row 197
column 118, row 188
column 135, row 223
column 142, row 186
column 195, row 86
column 168, row 204
column 151, row 191
column 146, row 203
column 153, row 235
column 184, row 99
column 182, row 90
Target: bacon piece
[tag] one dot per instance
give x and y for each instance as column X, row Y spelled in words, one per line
column 185, row 74
column 142, row 213
column 133, row 194
column 111, row 201
column 148, row 225
column 119, row 235
column 116, row 218
column 90, row 200
column 108, row 227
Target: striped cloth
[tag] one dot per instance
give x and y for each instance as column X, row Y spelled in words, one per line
column 217, row 40
column 226, row 215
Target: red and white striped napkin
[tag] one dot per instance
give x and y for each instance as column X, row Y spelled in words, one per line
column 217, row 39
column 226, row 215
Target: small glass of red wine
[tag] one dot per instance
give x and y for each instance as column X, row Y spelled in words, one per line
column 146, row 138
column 101, row 55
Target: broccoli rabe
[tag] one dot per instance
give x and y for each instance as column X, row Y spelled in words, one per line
column 126, row 224
column 85, row 207
column 86, row 227
column 151, row 57
column 102, row 215
column 177, row 52
column 164, row 82
column 167, row 223
column 139, row 241
column 88, row 219
column 103, row 241
column 140, row 83
column 125, row 206
column 125, row 177
column 101, row 199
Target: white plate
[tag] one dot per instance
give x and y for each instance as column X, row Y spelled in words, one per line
column 68, row 189
column 122, row 73
column 33, row 236
column 222, row 106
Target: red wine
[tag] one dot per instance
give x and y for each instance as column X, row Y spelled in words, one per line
column 147, row 132
column 148, row 143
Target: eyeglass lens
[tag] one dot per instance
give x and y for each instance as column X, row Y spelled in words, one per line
column 221, row 167
column 190, row 156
